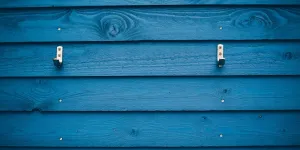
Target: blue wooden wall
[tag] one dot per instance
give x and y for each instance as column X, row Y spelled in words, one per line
column 143, row 75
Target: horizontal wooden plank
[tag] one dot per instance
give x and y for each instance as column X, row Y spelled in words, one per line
column 85, row 3
column 149, row 148
column 155, row 129
column 151, row 59
column 134, row 24
column 149, row 94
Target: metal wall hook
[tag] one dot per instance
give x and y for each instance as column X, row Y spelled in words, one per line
column 220, row 55
column 58, row 61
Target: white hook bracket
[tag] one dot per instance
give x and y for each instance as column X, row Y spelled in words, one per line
column 58, row 60
column 220, row 55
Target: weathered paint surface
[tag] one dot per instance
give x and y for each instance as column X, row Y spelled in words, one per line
column 151, row 59
column 143, row 75
column 154, row 23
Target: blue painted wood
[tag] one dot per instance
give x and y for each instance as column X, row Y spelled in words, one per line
column 149, row 148
column 151, row 59
column 247, row 117
column 150, row 23
column 149, row 94
column 155, row 129
column 67, row 3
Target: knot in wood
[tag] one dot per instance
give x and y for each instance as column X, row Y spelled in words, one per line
column 253, row 19
column 134, row 132
column 288, row 56
column 115, row 25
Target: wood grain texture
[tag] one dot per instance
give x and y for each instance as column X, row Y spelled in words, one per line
column 149, row 148
column 149, row 94
column 163, row 23
column 93, row 3
column 153, row 129
column 151, row 59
